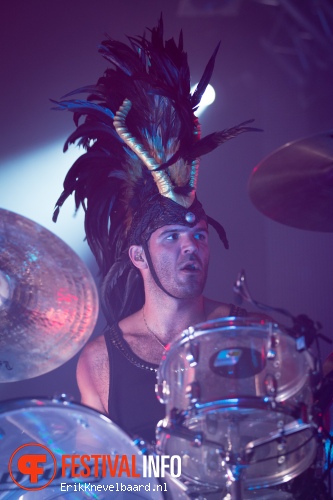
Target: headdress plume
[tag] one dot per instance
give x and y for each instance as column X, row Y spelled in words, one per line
column 142, row 147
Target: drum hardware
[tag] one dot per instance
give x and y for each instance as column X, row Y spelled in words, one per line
column 162, row 391
column 271, row 383
column 279, row 437
column 177, row 418
column 329, row 461
column 323, row 396
column 193, row 355
column 232, row 464
column 304, row 330
column 295, row 411
column 194, row 438
column 234, row 484
column 235, row 464
column 48, row 300
column 143, row 446
column 267, row 403
column 177, row 427
column 271, row 348
column 322, row 415
column 252, row 413
column 63, row 398
column 193, row 390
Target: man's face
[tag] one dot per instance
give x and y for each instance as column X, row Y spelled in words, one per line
column 180, row 256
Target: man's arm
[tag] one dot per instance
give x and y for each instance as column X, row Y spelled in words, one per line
column 92, row 375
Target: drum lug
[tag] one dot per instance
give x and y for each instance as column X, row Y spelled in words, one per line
column 143, row 447
column 189, row 332
column 193, row 392
column 270, row 385
column 194, row 438
column 162, row 392
column 271, row 351
column 62, row 398
column 192, row 355
column 271, row 354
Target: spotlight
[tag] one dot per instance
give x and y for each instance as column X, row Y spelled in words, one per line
column 207, row 99
column 31, row 182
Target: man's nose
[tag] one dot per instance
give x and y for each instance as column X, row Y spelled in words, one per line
column 189, row 244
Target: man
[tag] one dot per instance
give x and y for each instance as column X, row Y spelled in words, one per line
column 144, row 224
column 180, row 256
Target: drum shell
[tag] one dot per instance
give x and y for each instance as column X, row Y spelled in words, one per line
column 233, row 382
column 196, row 368
column 267, row 464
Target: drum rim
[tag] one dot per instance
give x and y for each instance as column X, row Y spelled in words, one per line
column 44, row 403
column 197, row 331
column 201, row 329
column 264, row 404
column 256, row 483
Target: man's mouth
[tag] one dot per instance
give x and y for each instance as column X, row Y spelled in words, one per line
column 190, row 267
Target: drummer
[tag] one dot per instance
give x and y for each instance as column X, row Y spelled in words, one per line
column 146, row 227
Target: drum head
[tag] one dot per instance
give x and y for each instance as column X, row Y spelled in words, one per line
column 72, row 430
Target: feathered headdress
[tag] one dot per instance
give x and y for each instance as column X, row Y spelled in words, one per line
column 140, row 168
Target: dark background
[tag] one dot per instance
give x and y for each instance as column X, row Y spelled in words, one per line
column 48, row 48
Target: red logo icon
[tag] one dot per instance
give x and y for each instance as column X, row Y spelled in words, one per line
column 32, row 464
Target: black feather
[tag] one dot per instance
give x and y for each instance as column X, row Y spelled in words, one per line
column 205, row 79
column 109, row 181
column 212, row 141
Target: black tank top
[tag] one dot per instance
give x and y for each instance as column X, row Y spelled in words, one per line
column 132, row 403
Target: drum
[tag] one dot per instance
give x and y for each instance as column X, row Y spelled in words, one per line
column 59, row 432
column 237, row 391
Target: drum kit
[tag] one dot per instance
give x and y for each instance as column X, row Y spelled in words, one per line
column 244, row 396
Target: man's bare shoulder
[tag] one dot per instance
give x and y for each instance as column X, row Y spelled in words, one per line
column 92, row 374
column 215, row 309
column 94, row 351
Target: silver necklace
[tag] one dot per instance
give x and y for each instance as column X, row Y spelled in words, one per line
column 151, row 331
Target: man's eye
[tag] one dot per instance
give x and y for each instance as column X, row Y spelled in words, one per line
column 173, row 236
column 200, row 236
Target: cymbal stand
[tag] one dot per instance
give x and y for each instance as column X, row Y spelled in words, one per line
column 233, row 463
column 235, row 484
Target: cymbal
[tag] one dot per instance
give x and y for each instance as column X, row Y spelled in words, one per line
column 294, row 184
column 48, row 300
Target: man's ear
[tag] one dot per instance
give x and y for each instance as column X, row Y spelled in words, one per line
column 137, row 256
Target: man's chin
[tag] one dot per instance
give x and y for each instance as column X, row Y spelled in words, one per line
column 189, row 290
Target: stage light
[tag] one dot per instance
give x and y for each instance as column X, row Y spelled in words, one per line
column 207, row 98
column 31, row 183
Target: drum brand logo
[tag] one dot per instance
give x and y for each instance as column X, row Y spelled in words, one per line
column 33, row 466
